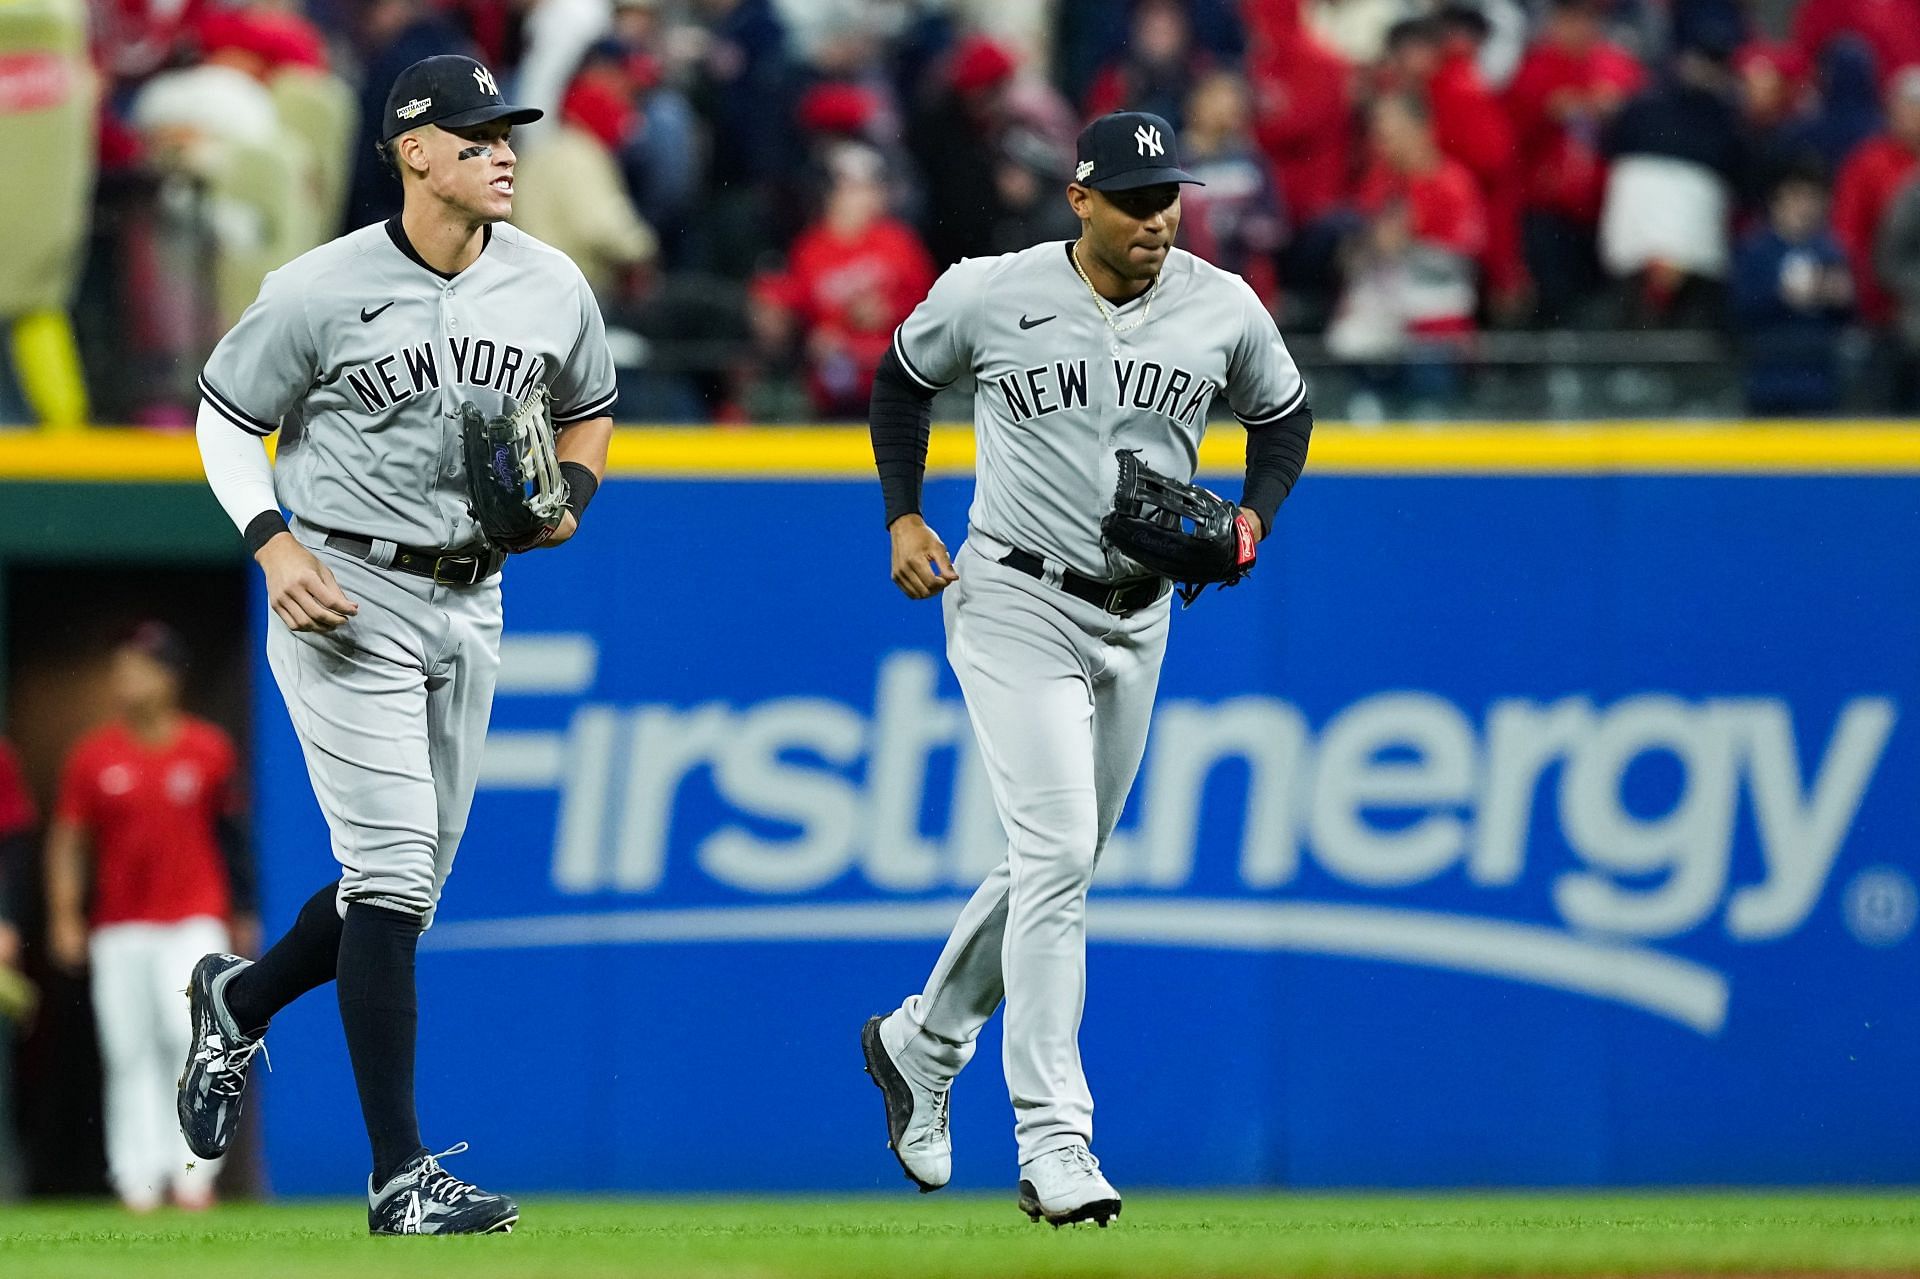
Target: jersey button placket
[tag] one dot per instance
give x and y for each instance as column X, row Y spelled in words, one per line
column 1110, row 421
column 1109, row 417
column 449, row 449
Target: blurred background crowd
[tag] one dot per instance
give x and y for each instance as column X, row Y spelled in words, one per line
column 1530, row 208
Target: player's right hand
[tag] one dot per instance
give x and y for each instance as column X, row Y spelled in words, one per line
column 300, row 589
column 921, row 567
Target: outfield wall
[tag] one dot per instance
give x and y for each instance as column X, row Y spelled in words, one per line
column 1540, row 813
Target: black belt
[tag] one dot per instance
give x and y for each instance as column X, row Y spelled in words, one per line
column 447, row 567
column 1126, row 596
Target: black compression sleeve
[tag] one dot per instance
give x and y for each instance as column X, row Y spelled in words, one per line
column 900, row 418
column 582, row 484
column 1275, row 454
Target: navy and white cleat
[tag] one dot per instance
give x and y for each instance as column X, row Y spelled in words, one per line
column 213, row 1085
column 425, row 1199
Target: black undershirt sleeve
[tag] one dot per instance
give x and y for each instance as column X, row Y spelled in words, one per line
column 1275, row 454
column 900, row 419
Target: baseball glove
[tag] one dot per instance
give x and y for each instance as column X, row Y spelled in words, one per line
column 515, row 490
column 1178, row 530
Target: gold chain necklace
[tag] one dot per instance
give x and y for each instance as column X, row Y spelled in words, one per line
column 1106, row 313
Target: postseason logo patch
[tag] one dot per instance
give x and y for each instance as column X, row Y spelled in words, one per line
column 414, row 108
column 1084, row 171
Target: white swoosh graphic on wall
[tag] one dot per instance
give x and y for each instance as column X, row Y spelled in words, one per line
column 1680, row 990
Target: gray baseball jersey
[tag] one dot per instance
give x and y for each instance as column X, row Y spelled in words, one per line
column 362, row 355
column 1060, row 691
column 1059, row 390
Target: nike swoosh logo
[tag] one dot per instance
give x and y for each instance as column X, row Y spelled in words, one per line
column 1025, row 323
column 366, row 315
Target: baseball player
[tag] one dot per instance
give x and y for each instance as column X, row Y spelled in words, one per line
column 1095, row 363
column 146, row 828
column 407, row 366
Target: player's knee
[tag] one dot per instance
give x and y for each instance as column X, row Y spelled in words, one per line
column 1060, row 823
column 1056, row 843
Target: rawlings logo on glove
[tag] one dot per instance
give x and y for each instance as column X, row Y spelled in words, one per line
column 515, row 490
column 1177, row 530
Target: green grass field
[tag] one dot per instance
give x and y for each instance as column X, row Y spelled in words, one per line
column 1160, row 1236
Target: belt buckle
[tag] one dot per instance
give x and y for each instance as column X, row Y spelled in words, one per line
column 470, row 562
column 1113, row 599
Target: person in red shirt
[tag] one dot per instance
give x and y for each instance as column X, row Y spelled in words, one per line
column 851, row 278
column 1408, row 166
column 1426, row 222
column 145, row 819
column 1302, row 119
column 1568, row 86
column 1410, row 293
column 1471, row 124
column 1438, row 58
column 1866, row 186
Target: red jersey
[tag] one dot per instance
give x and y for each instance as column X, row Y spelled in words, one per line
column 856, row 291
column 151, row 813
column 1868, row 181
column 1444, row 207
column 17, row 814
column 1471, row 126
column 1301, row 109
column 1558, row 102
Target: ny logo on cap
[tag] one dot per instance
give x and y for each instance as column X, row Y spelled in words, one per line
column 1148, row 138
column 484, row 78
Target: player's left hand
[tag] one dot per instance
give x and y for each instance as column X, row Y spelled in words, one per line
column 1253, row 519
column 569, row 525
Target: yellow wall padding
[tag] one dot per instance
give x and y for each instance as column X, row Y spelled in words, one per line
column 843, row 452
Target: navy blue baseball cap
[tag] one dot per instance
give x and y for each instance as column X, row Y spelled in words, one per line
column 1129, row 149
column 451, row 91
column 160, row 642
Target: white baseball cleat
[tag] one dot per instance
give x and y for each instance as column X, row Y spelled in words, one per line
column 1065, row 1186
column 916, row 1115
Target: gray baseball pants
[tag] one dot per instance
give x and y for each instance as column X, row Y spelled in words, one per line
column 391, row 710
column 1060, row 694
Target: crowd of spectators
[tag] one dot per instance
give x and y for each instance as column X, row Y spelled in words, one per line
column 772, row 184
